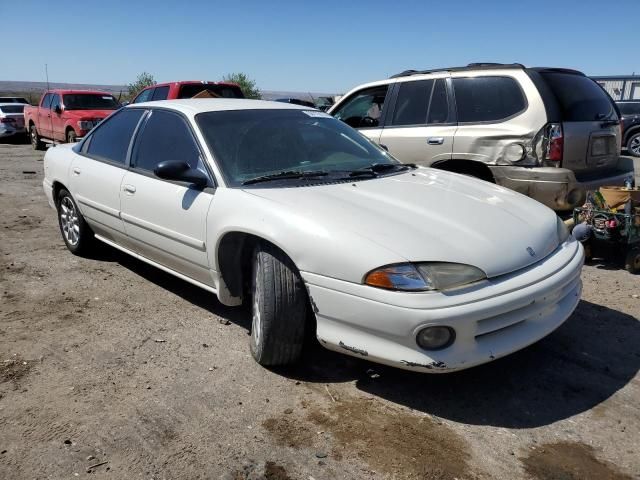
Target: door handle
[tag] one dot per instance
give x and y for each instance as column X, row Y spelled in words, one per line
column 76, row 171
column 435, row 140
column 129, row 189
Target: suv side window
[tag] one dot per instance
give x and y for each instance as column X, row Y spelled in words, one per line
column 144, row 96
column 161, row 93
column 364, row 108
column 439, row 105
column 110, row 141
column 487, row 99
column 412, row 104
column 165, row 136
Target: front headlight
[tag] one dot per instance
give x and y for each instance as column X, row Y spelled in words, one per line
column 85, row 125
column 563, row 231
column 426, row 276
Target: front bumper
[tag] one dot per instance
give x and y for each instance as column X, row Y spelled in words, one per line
column 491, row 319
column 557, row 188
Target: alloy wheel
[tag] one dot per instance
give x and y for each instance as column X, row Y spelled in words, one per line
column 69, row 221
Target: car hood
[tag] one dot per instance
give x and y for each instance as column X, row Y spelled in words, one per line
column 430, row 215
column 88, row 114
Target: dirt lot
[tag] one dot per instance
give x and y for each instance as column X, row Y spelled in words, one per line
column 108, row 360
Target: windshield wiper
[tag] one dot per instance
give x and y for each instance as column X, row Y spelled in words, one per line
column 376, row 168
column 286, row 175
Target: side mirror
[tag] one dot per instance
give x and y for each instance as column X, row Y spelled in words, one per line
column 124, row 104
column 57, row 109
column 180, row 171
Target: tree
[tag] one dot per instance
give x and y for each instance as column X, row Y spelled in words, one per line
column 248, row 86
column 144, row 80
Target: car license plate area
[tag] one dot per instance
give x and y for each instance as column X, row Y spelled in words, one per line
column 601, row 146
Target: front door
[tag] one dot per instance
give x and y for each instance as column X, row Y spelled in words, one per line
column 364, row 110
column 420, row 129
column 166, row 220
column 44, row 116
column 57, row 120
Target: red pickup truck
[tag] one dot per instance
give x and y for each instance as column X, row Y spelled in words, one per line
column 67, row 115
column 188, row 89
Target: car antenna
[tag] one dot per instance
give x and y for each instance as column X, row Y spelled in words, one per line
column 46, row 72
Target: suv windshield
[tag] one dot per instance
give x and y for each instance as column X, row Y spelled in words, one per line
column 248, row 144
column 580, row 98
column 90, row 101
column 225, row 91
column 630, row 108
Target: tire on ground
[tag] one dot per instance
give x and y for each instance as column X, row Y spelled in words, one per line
column 80, row 242
column 279, row 308
column 35, row 138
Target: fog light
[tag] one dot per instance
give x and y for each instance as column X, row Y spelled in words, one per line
column 435, row 338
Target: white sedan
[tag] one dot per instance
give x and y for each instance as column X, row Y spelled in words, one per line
column 319, row 228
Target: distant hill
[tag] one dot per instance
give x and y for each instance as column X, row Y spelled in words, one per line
column 34, row 89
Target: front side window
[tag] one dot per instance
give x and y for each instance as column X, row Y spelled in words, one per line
column 160, row 93
column 90, row 101
column 364, row 108
column 248, row 144
column 144, row 96
column 110, row 141
column 487, row 99
column 165, row 137
column 55, row 101
column 46, row 101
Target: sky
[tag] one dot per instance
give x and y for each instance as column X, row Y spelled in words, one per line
column 321, row 46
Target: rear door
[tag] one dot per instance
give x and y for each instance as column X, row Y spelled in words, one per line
column 589, row 120
column 420, row 128
column 365, row 110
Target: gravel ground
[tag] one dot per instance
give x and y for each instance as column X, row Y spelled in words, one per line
column 112, row 369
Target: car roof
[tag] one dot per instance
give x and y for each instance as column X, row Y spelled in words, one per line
column 193, row 106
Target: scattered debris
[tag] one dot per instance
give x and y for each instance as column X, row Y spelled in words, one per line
column 288, row 411
column 90, row 469
column 321, row 455
column 205, row 345
column 68, row 442
column 29, row 172
column 90, row 457
column 224, row 321
column 331, row 396
column 160, row 340
column 372, row 373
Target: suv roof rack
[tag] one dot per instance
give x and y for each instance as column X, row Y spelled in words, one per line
column 471, row 66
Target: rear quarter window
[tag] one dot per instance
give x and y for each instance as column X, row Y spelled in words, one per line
column 488, row 99
column 580, row 99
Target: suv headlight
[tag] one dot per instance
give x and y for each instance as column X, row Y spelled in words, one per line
column 563, row 231
column 425, row 276
column 85, row 124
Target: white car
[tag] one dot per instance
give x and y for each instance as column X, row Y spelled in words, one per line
column 11, row 119
column 319, row 228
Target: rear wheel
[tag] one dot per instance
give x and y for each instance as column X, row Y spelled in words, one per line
column 35, row 139
column 632, row 261
column 71, row 136
column 633, row 145
column 279, row 308
column 76, row 233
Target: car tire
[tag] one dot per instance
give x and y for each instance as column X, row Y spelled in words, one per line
column 279, row 308
column 35, row 139
column 71, row 136
column 76, row 233
column 633, row 145
column 632, row 261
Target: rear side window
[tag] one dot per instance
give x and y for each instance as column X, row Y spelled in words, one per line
column 627, row 108
column 439, row 107
column 110, row 141
column 487, row 99
column 412, row 104
column 224, row 91
column 165, row 137
column 580, row 99
column 161, row 93
column 144, row 96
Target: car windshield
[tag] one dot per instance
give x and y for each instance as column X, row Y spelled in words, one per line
column 90, row 101
column 17, row 108
column 249, row 144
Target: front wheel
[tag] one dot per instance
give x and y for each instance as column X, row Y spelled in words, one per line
column 633, row 145
column 36, row 143
column 279, row 308
column 76, row 233
column 71, row 136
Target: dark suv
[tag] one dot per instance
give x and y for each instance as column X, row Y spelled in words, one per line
column 630, row 112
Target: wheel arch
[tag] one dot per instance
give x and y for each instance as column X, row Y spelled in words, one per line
column 466, row 167
column 56, row 187
column 634, row 129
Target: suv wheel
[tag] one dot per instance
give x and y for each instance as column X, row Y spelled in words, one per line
column 633, row 145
